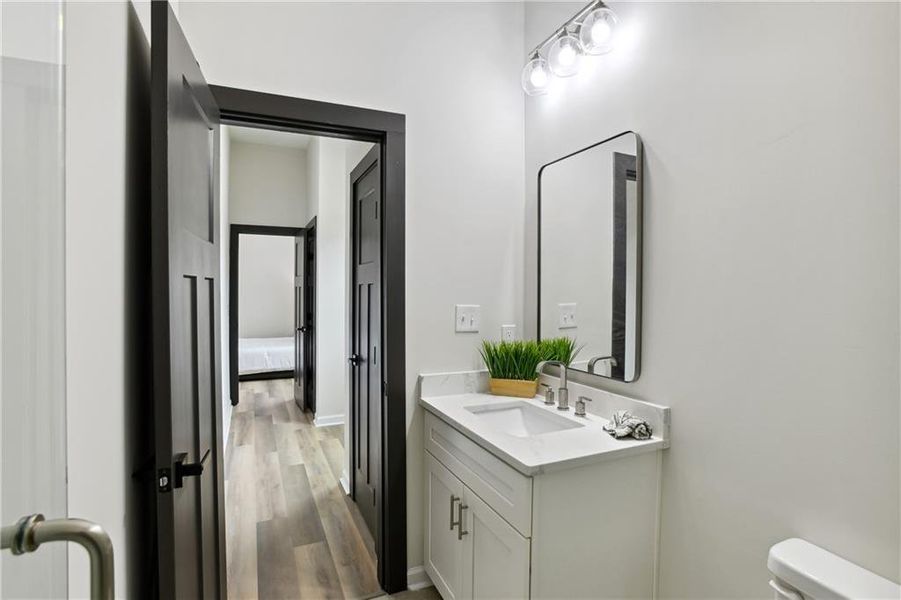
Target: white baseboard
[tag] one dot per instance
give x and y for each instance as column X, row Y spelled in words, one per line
column 345, row 482
column 417, row 578
column 328, row 420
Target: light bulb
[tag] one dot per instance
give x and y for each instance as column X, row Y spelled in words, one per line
column 536, row 76
column 597, row 31
column 600, row 32
column 565, row 55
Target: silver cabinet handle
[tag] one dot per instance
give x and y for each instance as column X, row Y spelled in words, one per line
column 453, row 500
column 460, row 531
column 30, row 532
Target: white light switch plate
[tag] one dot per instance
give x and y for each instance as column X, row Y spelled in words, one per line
column 508, row 333
column 468, row 318
column 567, row 316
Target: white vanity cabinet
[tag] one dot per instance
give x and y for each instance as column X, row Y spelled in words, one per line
column 492, row 531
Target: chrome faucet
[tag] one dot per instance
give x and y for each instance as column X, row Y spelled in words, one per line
column 597, row 359
column 562, row 391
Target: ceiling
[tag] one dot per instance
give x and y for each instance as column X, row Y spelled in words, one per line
column 268, row 137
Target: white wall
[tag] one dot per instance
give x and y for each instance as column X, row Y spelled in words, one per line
column 329, row 206
column 265, row 286
column 771, row 270
column 453, row 69
column 107, row 286
column 267, row 184
column 329, row 198
column 312, row 187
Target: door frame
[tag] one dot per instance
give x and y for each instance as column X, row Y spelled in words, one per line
column 271, row 111
column 235, row 232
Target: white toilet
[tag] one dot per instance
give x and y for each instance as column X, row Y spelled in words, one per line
column 802, row 571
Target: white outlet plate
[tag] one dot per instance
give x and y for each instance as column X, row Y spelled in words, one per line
column 567, row 316
column 467, row 318
column 508, row 333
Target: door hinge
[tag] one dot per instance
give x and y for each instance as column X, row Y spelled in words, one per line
column 164, row 480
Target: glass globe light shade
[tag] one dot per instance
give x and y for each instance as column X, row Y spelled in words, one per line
column 536, row 76
column 565, row 55
column 596, row 32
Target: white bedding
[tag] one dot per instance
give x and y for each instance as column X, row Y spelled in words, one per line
column 260, row 355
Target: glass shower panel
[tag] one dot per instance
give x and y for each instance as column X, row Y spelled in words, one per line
column 32, row 288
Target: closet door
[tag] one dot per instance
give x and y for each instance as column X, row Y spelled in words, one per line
column 366, row 357
column 443, row 546
column 299, row 321
column 495, row 555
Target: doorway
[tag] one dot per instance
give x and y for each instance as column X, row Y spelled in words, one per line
column 262, row 348
column 186, row 116
column 289, row 436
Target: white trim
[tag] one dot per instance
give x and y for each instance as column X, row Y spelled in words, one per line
column 345, row 482
column 328, row 420
column 418, row 579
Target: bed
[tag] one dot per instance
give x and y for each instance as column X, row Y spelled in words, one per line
column 260, row 357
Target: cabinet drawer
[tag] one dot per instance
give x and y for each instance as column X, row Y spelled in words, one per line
column 502, row 487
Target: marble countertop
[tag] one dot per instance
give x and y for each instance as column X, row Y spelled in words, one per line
column 534, row 454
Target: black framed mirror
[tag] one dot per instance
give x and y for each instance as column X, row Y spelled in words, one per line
column 589, row 254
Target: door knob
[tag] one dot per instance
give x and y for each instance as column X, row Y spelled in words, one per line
column 355, row 359
column 183, row 469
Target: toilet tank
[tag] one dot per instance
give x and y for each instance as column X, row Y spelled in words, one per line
column 802, row 571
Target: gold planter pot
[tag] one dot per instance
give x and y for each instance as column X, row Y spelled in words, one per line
column 519, row 388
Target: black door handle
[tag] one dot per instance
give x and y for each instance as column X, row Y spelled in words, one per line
column 355, row 359
column 183, row 469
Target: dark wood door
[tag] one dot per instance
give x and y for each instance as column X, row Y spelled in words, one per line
column 299, row 322
column 185, row 295
column 309, row 314
column 366, row 333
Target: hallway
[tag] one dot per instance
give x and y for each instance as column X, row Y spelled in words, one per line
column 291, row 530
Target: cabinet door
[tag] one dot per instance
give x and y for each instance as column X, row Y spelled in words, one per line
column 443, row 548
column 495, row 555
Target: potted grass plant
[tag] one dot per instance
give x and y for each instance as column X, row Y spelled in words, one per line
column 511, row 365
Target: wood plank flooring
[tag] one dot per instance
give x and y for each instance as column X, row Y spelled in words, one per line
column 291, row 532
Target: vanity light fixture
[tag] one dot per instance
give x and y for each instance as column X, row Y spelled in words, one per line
column 589, row 31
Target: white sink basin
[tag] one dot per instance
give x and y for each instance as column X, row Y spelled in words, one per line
column 520, row 419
